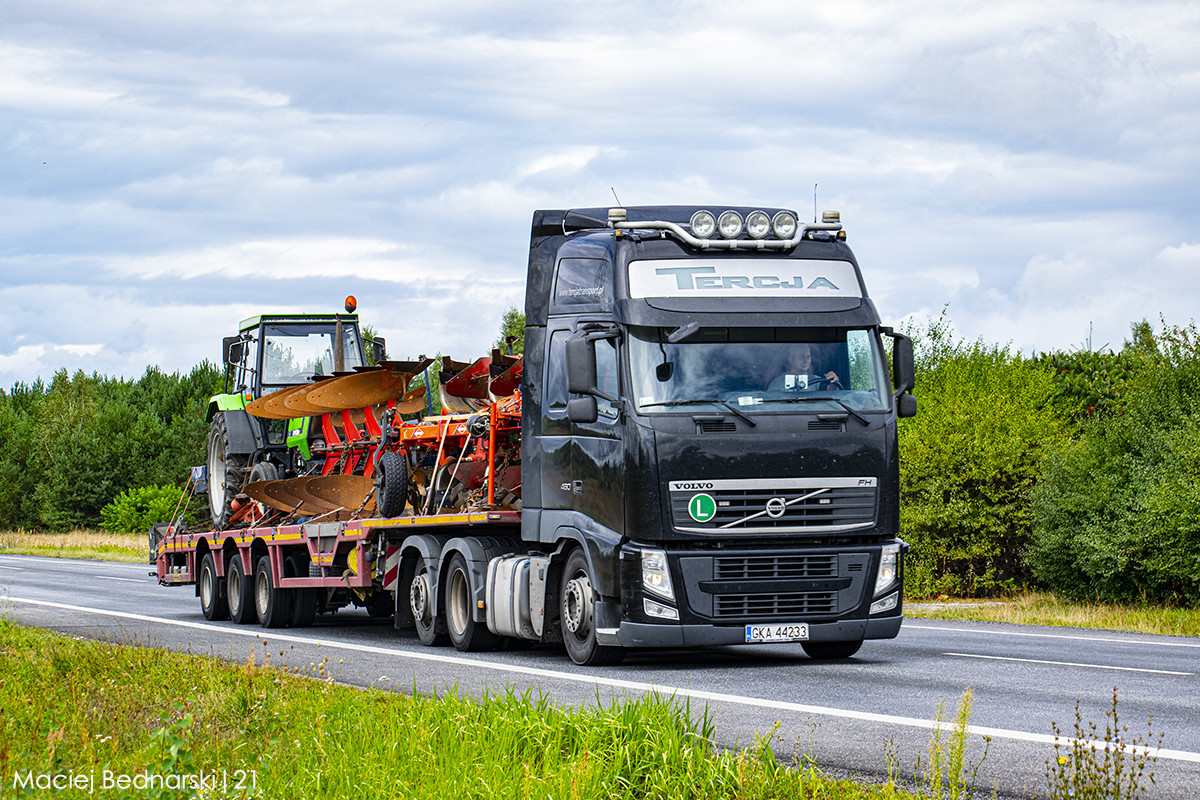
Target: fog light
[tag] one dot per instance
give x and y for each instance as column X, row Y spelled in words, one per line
column 730, row 224
column 784, row 224
column 886, row 604
column 658, row 610
column 758, row 224
column 703, row 224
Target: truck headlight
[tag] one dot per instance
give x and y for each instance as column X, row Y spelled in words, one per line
column 730, row 224
column 703, row 224
column 758, row 224
column 784, row 224
column 656, row 578
column 888, row 562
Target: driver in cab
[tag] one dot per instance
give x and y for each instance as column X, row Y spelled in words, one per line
column 798, row 374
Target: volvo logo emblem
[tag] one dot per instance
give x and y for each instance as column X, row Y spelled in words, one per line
column 775, row 507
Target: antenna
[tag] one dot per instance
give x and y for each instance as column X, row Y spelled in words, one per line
column 614, row 191
column 814, row 202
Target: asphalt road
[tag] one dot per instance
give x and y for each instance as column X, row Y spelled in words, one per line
column 848, row 716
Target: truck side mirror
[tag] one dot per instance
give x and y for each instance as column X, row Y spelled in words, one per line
column 583, row 409
column 581, row 366
column 232, row 350
column 379, row 347
column 904, row 376
column 906, row 406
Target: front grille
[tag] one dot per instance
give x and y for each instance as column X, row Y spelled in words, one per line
column 784, row 505
column 732, row 568
column 774, row 606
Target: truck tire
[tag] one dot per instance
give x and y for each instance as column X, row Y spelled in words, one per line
column 239, row 592
column 304, row 601
column 431, row 628
column 577, row 616
column 224, row 472
column 273, row 605
column 208, row 586
column 829, row 651
column 466, row 634
column 391, row 484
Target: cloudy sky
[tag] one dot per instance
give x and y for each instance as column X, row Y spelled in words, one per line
column 170, row 168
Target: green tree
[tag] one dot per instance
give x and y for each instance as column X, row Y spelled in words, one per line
column 512, row 325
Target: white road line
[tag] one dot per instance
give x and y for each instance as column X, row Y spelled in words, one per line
column 949, row 629
column 6, row 566
column 127, row 580
column 1069, row 664
column 616, row 683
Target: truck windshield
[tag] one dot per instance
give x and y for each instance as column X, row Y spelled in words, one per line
column 292, row 353
column 759, row 369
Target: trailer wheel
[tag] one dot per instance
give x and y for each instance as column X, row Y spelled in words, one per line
column 212, row 603
column 466, row 634
column 431, row 628
column 239, row 592
column 391, row 484
column 304, row 601
column 577, row 616
column 224, row 472
column 274, row 606
column 829, row 651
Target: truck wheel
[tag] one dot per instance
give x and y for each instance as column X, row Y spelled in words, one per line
column 274, row 606
column 466, row 634
column 304, row 601
column 828, row 651
column 391, row 484
column 209, row 586
column 224, row 472
column 431, row 629
column 577, row 616
column 239, row 592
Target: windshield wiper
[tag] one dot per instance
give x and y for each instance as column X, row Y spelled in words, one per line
column 807, row 399
column 713, row 401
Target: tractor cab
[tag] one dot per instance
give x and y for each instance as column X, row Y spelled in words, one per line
column 271, row 352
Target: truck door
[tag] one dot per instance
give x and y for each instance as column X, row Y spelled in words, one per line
column 582, row 462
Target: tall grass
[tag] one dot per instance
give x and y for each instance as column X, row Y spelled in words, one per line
column 1042, row 608
column 76, row 544
column 81, row 707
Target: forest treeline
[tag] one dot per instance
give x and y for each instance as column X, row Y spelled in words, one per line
column 1074, row 470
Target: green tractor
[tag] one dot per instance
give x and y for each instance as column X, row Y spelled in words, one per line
column 272, row 352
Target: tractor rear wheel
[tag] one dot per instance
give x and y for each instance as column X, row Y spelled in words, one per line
column 224, row 472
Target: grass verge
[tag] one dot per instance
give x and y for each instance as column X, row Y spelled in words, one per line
column 76, row 544
column 1042, row 608
column 81, row 708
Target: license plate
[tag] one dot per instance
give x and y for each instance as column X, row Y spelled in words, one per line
column 777, row 633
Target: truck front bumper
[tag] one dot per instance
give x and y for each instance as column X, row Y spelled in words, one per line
column 643, row 634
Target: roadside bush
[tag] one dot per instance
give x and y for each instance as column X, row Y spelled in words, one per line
column 968, row 463
column 135, row 510
column 1117, row 515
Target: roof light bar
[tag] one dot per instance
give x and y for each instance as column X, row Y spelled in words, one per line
column 704, row 224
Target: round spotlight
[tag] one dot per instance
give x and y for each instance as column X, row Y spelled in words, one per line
column 784, row 224
column 703, row 224
column 730, row 224
column 758, row 224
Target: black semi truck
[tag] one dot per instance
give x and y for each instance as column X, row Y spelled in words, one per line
column 707, row 456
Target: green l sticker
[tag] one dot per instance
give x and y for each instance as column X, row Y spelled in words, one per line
column 702, row 507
